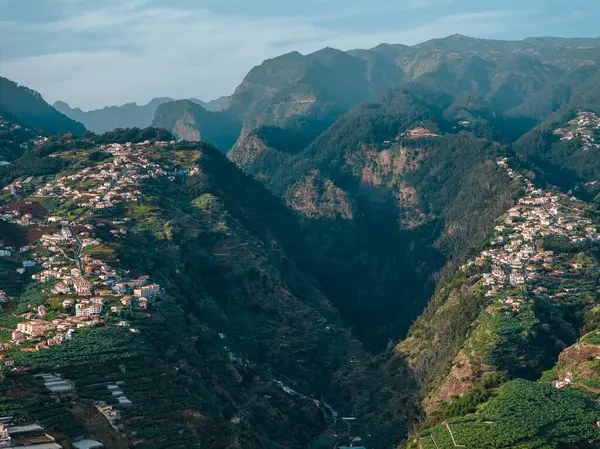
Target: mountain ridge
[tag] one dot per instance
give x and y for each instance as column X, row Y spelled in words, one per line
column 28, row 108
column 128, row 115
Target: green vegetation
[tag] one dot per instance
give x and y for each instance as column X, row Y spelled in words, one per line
column 481, row 391
column 206, row 201
column 98, row 250
column 29, row 109
column 382, row 222
column 133, row 135
column 449, row 317
column 558, row 244
column 523, row 415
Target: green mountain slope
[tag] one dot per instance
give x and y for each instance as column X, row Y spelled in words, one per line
column 526, row 304
column 426, row 162
column 29, row 109
column 230, row 351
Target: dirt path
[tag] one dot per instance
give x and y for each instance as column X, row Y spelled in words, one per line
column 452, row 435
column 78, row 253
column 586, row 387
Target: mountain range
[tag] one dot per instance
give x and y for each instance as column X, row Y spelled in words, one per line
column 399, row 249
column 129, row 115
column 304, row 94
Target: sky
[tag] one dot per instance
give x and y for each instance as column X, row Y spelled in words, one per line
column 94, row 53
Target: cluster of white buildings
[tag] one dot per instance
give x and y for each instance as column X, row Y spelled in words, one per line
column 110, row 183
column 55, row 383
column 18, row 185
column 46, row 333
column 30, row 436
column 516, row 257
column 585, row 127
column 87, row 286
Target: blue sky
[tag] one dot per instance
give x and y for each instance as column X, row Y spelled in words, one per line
column 93, row 53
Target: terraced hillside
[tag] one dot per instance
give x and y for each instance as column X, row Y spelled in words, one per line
column 511, row 313
column 226, row 350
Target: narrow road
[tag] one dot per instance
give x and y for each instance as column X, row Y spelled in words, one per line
column 586, row 387
column 78, row 253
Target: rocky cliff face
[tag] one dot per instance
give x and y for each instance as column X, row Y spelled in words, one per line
column 190, row 121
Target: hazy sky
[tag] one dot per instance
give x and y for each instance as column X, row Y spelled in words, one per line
column 93, row 53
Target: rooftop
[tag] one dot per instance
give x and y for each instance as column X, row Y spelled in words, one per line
column 87, row 444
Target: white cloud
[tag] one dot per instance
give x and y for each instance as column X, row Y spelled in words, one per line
column 142, row 51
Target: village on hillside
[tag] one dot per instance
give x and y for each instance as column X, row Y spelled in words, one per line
column 75, row 275
column 516, row 256
column 79, row 273
column 585, row 127
column 520, row 270
column 536, row 259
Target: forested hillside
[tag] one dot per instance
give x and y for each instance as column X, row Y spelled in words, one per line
column 428, row 171
column 230, row 350
column 14, row 140
column 398, row 171
column 29, row 109
column 513, row 312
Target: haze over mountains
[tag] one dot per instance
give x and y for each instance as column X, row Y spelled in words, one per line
column 306, row 93
column 406, row 236
column 129, row 115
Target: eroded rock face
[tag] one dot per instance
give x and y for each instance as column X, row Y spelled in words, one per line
column 458, row 382
column 579, row 362
column 246, row 149
column 316, row 197
column 185, row 128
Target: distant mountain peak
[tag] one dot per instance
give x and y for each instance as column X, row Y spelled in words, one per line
column 60, row 103
column 190, row 120
column 385, row 45
column 128, row 115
